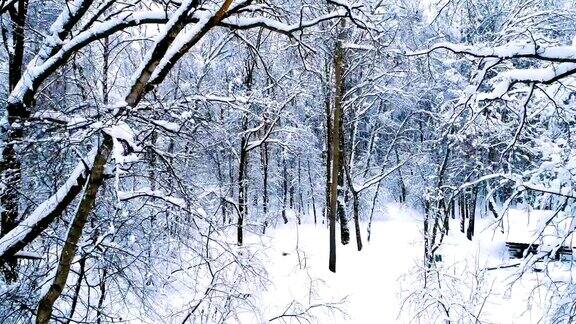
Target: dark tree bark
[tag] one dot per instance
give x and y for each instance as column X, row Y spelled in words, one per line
column 446, row 216
column 244, row 156
column 328, row 150
column 96, row 179
column 265, row 199
column 291, row 188
column 300, row 196
column 373, row 207
column 284, row 187
column 10, row 167
column 355, row 194
column 102, row 297
column 312, row 193
column 356, row 207
column 427, row 263
column 461, row 203
column 242, row 181
column 472, row 216
column 337, row 156
column 76, row 294
column 492, row 208
column 341, row 192
column 401, row 180
column 138, row 90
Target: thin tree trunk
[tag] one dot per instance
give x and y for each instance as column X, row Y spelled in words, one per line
column 76, row 295
column 373, row 206
column 461, row 203
column 427, row 264
column 300, row 196
column 243, row 166
column 284, row 187
column 341, row 192
column 356, row 204
column 291, row 186
column 446, row 214
column 265, row 199
column 312, row 193
column 102, row 297
column 492, row 208
column 46, row 304
column 10, row 167
column 472, row 216
column 328, row 150
column 402, row 185
column 242, row 182
column 231, row 178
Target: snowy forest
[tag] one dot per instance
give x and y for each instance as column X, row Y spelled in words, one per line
column 287, row 161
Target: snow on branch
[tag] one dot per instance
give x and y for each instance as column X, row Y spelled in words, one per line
column 562, row 63
column 59, row 30
column 59, row 117
column 236, row 22
column 182, row 42
column 122, row 133
column 554, row 53
column 46, row 212
column 519, row 184
column 147, row 192
column 546, row 75
column 374, row 180
column 158, row 194
column 43, row 64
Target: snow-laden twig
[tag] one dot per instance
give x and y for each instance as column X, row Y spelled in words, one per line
column 46, row 212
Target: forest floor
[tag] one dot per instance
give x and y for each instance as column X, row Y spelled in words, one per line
column 368, row 281
column 383, row 283
column 375, row 282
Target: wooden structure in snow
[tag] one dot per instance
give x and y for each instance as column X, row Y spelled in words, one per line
column 539, row 232
column 520, row 250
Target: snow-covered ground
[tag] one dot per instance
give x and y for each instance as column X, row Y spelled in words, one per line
column 374, row 285
column 369, row 280
column 376, row 281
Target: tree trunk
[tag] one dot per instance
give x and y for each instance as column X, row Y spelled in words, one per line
column 372, row 208
column 10, row 168
column 401, row 180
column 341, row 192
column 338, row 141
column 337, row 159
column 312, row 193
column 461, row 203
column 265, row 199
column 76, row 295
column 328, row 150
column 492, row 208
column 284, row 187
column 102, row 297
column 472, row 216
column 300, row 196
column 356, row 203
column 242, row 182
column 46, row 304
column 427, row 264
column 446, row 209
